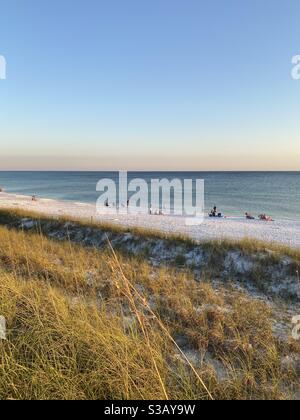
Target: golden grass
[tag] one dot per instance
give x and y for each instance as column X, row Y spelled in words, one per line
column 85, row 324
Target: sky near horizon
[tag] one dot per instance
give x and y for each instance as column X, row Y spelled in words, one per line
column 146, row 85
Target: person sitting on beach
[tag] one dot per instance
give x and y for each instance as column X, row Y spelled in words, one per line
column 33, row 198
column 249, row 216
column 214, row 212
column 265, row 218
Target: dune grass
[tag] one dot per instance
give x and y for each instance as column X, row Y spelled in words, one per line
column 247, row 246
column 85, row 324
column 8, row 216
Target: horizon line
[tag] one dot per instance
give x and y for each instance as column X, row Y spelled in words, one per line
column 150, row 170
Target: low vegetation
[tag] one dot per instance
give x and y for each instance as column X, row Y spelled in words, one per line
column 90, row 323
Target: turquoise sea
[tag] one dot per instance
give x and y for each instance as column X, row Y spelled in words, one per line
column 275, row 193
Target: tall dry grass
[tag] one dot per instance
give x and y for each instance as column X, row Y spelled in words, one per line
column 85, row 324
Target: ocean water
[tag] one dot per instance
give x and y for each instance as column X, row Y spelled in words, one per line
column 275, row 193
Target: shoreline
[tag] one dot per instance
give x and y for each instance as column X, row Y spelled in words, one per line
column 284, row 232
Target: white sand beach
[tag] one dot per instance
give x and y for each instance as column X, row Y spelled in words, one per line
column 281, row 231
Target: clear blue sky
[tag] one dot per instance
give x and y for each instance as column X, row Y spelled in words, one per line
column 160, row 84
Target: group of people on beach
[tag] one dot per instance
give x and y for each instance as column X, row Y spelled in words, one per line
column 213, row 213
column 152, row 211
column 264, row 217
